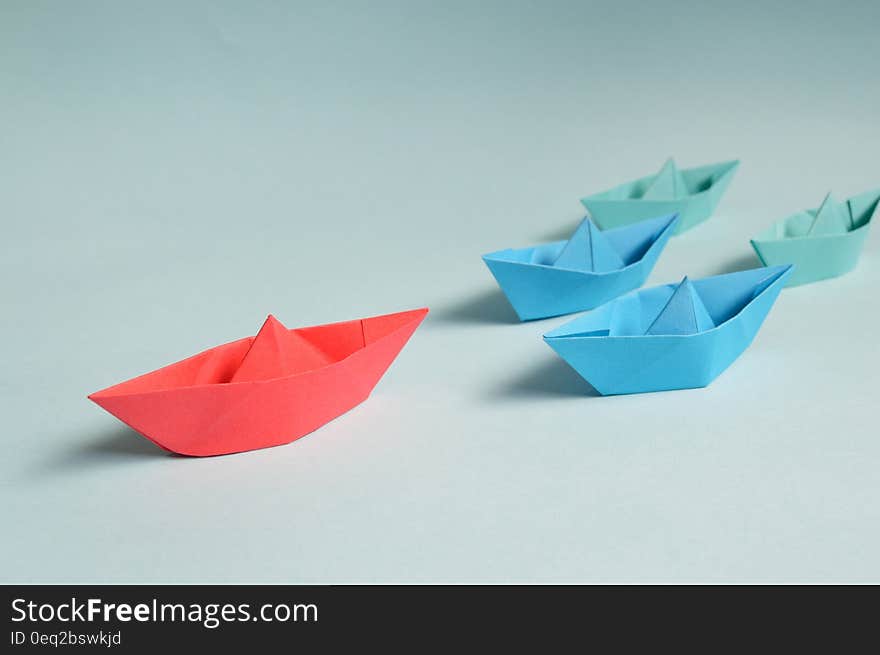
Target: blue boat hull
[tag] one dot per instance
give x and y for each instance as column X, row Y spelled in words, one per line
column 536, row 290
column 637, row 364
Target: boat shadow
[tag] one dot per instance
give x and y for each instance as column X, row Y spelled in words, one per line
column 119, row 445
column 551, row 378
column 485, row 307
column 125, row 443
column 742, row 262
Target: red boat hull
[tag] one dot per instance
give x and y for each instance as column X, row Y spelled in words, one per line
column 189, row 408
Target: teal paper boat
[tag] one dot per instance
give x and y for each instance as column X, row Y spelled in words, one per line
column 589, row 269
column 669, row 337
column 692, row 193
column 821, row 243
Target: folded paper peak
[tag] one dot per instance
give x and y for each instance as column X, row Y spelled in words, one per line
column 683, row 314
column 668, row 184
column 279, row 352
column 832, row 217
column 589, row 250
column 276, row 352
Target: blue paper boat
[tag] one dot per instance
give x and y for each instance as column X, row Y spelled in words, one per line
column 589, row 269
column 669, row 337
column 821, row 243
column 692, row 193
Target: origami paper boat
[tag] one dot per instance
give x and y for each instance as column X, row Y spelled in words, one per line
column 672, row 336
column 587, row 270
column 261, row 391
column 692, row 193
column 821, row 243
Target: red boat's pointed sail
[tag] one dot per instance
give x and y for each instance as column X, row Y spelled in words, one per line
column 276, row 352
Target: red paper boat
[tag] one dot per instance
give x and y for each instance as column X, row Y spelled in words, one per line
column 261, row 391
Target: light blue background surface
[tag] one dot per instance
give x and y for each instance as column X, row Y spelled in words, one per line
column 171, row 174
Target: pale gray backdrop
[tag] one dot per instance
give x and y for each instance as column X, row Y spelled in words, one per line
column 172, row 172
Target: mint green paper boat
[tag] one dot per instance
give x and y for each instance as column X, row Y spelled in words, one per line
column 821, row 243
column 692, row 193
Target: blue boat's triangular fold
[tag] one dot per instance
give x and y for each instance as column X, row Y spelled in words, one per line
column 668, row 184
column 832, row 217
column 633, row 241
column 589, row 250
column 725, row 295
column 684, row 313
